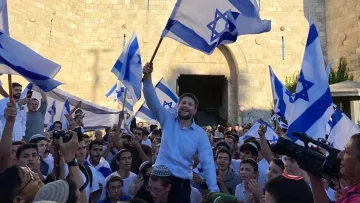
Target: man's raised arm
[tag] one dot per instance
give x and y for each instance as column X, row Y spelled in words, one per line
column 151, row 98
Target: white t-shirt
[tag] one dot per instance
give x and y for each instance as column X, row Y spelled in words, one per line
column 235, row 165
column 195, row 195
column 240, row 192
column 127, row 182
column 146, row 142
column 263, row 169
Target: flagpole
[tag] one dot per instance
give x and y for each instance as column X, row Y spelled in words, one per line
column 154, row 54
column 11, row 99
column 124, row 100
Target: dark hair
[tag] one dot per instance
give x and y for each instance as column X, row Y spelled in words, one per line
column 15, row 84
column 252, row 162
column 152, row 127
column 143, row 132
column 222, row 143
column 157, row 140
column 285, row 190
column 36, row 140
column 86, row 136
column 193, row 97
column 138, row 200
column 58, row 122
column 24, row 147
column 118, row 155
column 78, row 110
column 231, row 137
column 249, row 147
column 96, row 142
column 279, row 163
column 72, row 192
column 223, row 150
column 147, row 149
column 10, row 181
column 18, row 143
column 356, row 138
column 165, row 180
column 156, row 132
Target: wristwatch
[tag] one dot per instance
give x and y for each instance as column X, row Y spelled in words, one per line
column 74, row 162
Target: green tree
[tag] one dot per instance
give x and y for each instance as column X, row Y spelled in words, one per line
column 291, row 82
column 340, row 75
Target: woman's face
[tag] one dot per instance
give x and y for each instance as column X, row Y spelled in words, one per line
column 274, row 171
column 247, row 172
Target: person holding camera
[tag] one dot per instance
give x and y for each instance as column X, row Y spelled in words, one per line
column 349, row 171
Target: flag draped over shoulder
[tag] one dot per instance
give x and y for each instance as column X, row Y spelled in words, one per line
column 204, row 24
column 312, row 103
column 166, row 97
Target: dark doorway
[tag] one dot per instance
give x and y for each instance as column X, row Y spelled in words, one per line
column 211, row 92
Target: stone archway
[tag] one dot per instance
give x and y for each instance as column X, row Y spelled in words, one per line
column 185, row 60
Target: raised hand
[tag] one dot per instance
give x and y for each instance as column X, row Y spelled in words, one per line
column 148, row 68
column 262, row 130
column 10, row 112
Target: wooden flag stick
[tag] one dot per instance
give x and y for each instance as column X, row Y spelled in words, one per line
column 154, row 54
column 11, row 99
column 156, row 50
column 124, row 100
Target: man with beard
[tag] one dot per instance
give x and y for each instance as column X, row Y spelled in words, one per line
column 96, row 160
column 35, row 116
column 20, row 121
column 181, row 140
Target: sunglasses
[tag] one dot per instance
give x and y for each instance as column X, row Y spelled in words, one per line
column 31, row 178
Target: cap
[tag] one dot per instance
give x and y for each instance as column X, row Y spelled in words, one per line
column 218, row 197
column 57, row 191
column 36, row 136
column 161, row 171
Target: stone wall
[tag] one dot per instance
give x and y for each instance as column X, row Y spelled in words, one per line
column 86, row 37
column 343, row 33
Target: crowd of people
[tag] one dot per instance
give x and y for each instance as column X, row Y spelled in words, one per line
column 175, row 162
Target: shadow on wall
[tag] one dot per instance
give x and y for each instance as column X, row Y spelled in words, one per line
column 95, row 71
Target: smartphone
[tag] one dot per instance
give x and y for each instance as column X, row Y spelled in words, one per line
column 29, row 94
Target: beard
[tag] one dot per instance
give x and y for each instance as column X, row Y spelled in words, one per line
column 182, row 117
column 16, row 96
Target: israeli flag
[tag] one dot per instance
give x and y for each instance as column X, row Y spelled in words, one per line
column 4, row 22
column 128, row 68
column 166, row 97
column 118, row 95
column 341, row 128
column 282, row 97
column 312, row 104
column 204, row 24
column 328, row 69
column 270, row 134
column 52, row 112
column 65, row 111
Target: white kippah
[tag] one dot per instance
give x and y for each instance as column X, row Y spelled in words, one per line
column 57, row 191
column 161, row 171
column 36, row 136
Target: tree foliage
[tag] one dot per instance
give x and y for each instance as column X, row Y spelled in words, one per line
column 336, row 76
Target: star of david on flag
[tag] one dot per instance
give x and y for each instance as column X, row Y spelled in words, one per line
column 167, row 98
column 118, row 93
column 205, row 24
column 312, row 106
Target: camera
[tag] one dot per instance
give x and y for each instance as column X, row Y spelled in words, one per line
column 66, row 135
column 309, row 159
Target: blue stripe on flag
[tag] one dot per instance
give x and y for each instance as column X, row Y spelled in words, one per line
column 111, row 91
column 147, row 112
column 168, row 92
column 313, row 35
column 336, row 117
column 311, row 115
column 131, row 52
column 280, row 94
column 67, row 106
column 244, row 7
column 118, row 66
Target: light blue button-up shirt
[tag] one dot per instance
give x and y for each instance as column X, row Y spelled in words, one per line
column 179, row 145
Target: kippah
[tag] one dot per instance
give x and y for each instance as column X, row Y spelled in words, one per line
column 287, row 176
column 161, row 171
column 218, row 197
column 57, row 191
column 36, row 136
column 142, row 166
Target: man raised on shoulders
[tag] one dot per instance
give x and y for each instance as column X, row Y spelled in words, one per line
column 181, row 140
